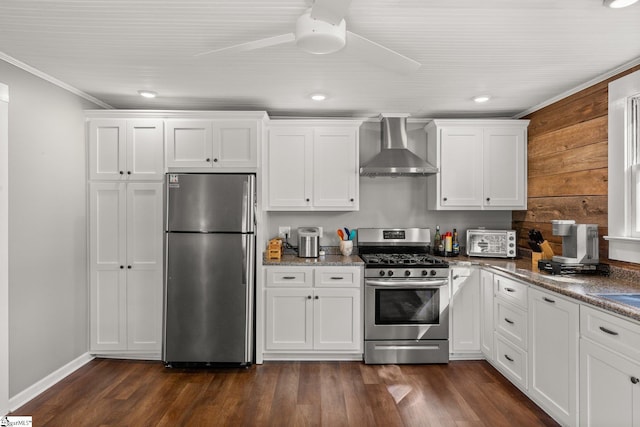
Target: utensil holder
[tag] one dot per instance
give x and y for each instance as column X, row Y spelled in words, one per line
column 346, row 247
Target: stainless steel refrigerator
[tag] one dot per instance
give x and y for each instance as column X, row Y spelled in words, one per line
column 210, row 269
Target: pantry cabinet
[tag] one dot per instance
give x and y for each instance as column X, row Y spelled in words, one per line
column 609, row 369
column 216, row 144
column 464, row 313
column 126, row 149
column 125, row 235
column 313, row 312
column 312, row 165
column 482, row 164
column 553, row 354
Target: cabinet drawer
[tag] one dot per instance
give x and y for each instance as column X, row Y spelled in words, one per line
column 611, row 331
column 338, row 277
column 293, row 276
column 512, row 361
column 511, row 323
column 511, row 290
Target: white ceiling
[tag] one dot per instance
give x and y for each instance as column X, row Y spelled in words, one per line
column 522, row 52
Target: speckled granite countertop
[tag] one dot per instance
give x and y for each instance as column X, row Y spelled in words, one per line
column 580, row 287
column 325, row 260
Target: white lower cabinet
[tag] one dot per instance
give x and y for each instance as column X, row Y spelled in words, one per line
column 553, row 354
column 125, row 268
column 312, row 312
column 609, row 370
column 464, row 312
column 486, row 314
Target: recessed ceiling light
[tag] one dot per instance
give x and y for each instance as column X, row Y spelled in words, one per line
column 147, row 93
column 481, row 98
column 318, row 96
column 617, row 4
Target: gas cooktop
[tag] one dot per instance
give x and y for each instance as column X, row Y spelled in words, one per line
column 418, row 260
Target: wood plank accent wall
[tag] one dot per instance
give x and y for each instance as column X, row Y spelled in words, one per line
column 567, row 163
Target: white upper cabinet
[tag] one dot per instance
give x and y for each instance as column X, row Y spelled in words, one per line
column 126, row 150
column 312, row 165
column 482, row 164
column 224, row 143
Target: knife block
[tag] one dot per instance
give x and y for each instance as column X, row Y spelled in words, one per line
column 535, row 257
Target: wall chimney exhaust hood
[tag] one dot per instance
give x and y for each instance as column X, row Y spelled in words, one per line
column 395, row 159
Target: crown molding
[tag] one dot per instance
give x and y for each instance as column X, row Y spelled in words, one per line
column 44, row 76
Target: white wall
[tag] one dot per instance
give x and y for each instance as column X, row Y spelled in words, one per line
column 387, row 201
column 4, row 250
column 47, row 228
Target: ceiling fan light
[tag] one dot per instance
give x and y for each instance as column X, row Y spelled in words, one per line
column 617, row 4
column 319, row 37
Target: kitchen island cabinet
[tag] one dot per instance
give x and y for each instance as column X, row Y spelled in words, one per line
column 482, row 164
column 312, row 165
column 313, row 313
column 125, row 235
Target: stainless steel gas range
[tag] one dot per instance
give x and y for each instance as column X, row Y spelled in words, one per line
column 406, row 297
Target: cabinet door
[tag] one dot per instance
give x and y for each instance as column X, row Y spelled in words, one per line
column 608, row 396
column 235, row 143
column 337, row 319
column 145, row 150
column 144, row 266
column 465, row 310
column 486, row 314
column 505, row 168
column 189, row 143
column 461, row 167
column 289, row 158
column 289, row 317
column 335, row 169
column 107, row 236
column 553, row 354
column 107, row 149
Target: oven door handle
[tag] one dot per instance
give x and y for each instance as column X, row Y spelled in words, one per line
column 406, row 283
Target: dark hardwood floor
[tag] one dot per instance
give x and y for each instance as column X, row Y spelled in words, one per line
column 108, row 392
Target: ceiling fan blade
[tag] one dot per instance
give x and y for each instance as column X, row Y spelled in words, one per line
column 252, row 45
column 379, row 55
column 331, row 11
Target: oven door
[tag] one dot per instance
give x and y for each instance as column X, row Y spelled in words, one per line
column 406, row 309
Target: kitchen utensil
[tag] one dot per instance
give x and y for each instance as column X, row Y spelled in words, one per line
column 352, row 235
column 341, row 234
column 535, row 246
column 546, row 250
column 347, row 233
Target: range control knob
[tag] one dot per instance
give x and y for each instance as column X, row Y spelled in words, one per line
column 381, row 273
column 407, row 273
column 425, row 272
column 390, row 273
column 433, row 272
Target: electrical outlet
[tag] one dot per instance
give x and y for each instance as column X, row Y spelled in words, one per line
column 284, row 231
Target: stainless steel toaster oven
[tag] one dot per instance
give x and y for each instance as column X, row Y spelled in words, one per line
column 491, row 243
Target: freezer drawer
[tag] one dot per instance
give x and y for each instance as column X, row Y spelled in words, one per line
column 209, row 298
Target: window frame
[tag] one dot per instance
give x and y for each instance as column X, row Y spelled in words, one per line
column 624, row 153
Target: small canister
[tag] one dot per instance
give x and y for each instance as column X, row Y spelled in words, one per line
column 308, row 242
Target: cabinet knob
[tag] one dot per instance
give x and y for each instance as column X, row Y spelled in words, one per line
column 317, row 297
column 444, row 199
column 122, row 266
column 207, row 159
column 488, row 198
column 352, row 199
column 121, row 172
column 308, row 296
column 129, row 267
column 215, row 160
column 308, row 200
column 128, row 172
column 634, row 380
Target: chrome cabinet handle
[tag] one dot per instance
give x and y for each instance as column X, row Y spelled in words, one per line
column 509, row 321
column 549, row 300
column 634, row 380
column 608, row 331
column 506, row 356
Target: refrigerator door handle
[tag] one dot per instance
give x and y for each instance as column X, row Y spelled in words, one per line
column 248, row 243
column 249, row 206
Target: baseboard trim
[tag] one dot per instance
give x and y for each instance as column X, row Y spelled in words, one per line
column 33, row 391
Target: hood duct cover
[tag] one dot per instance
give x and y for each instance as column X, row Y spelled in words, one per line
column 395, row 159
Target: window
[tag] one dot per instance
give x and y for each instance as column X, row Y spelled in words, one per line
column 624, row 168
